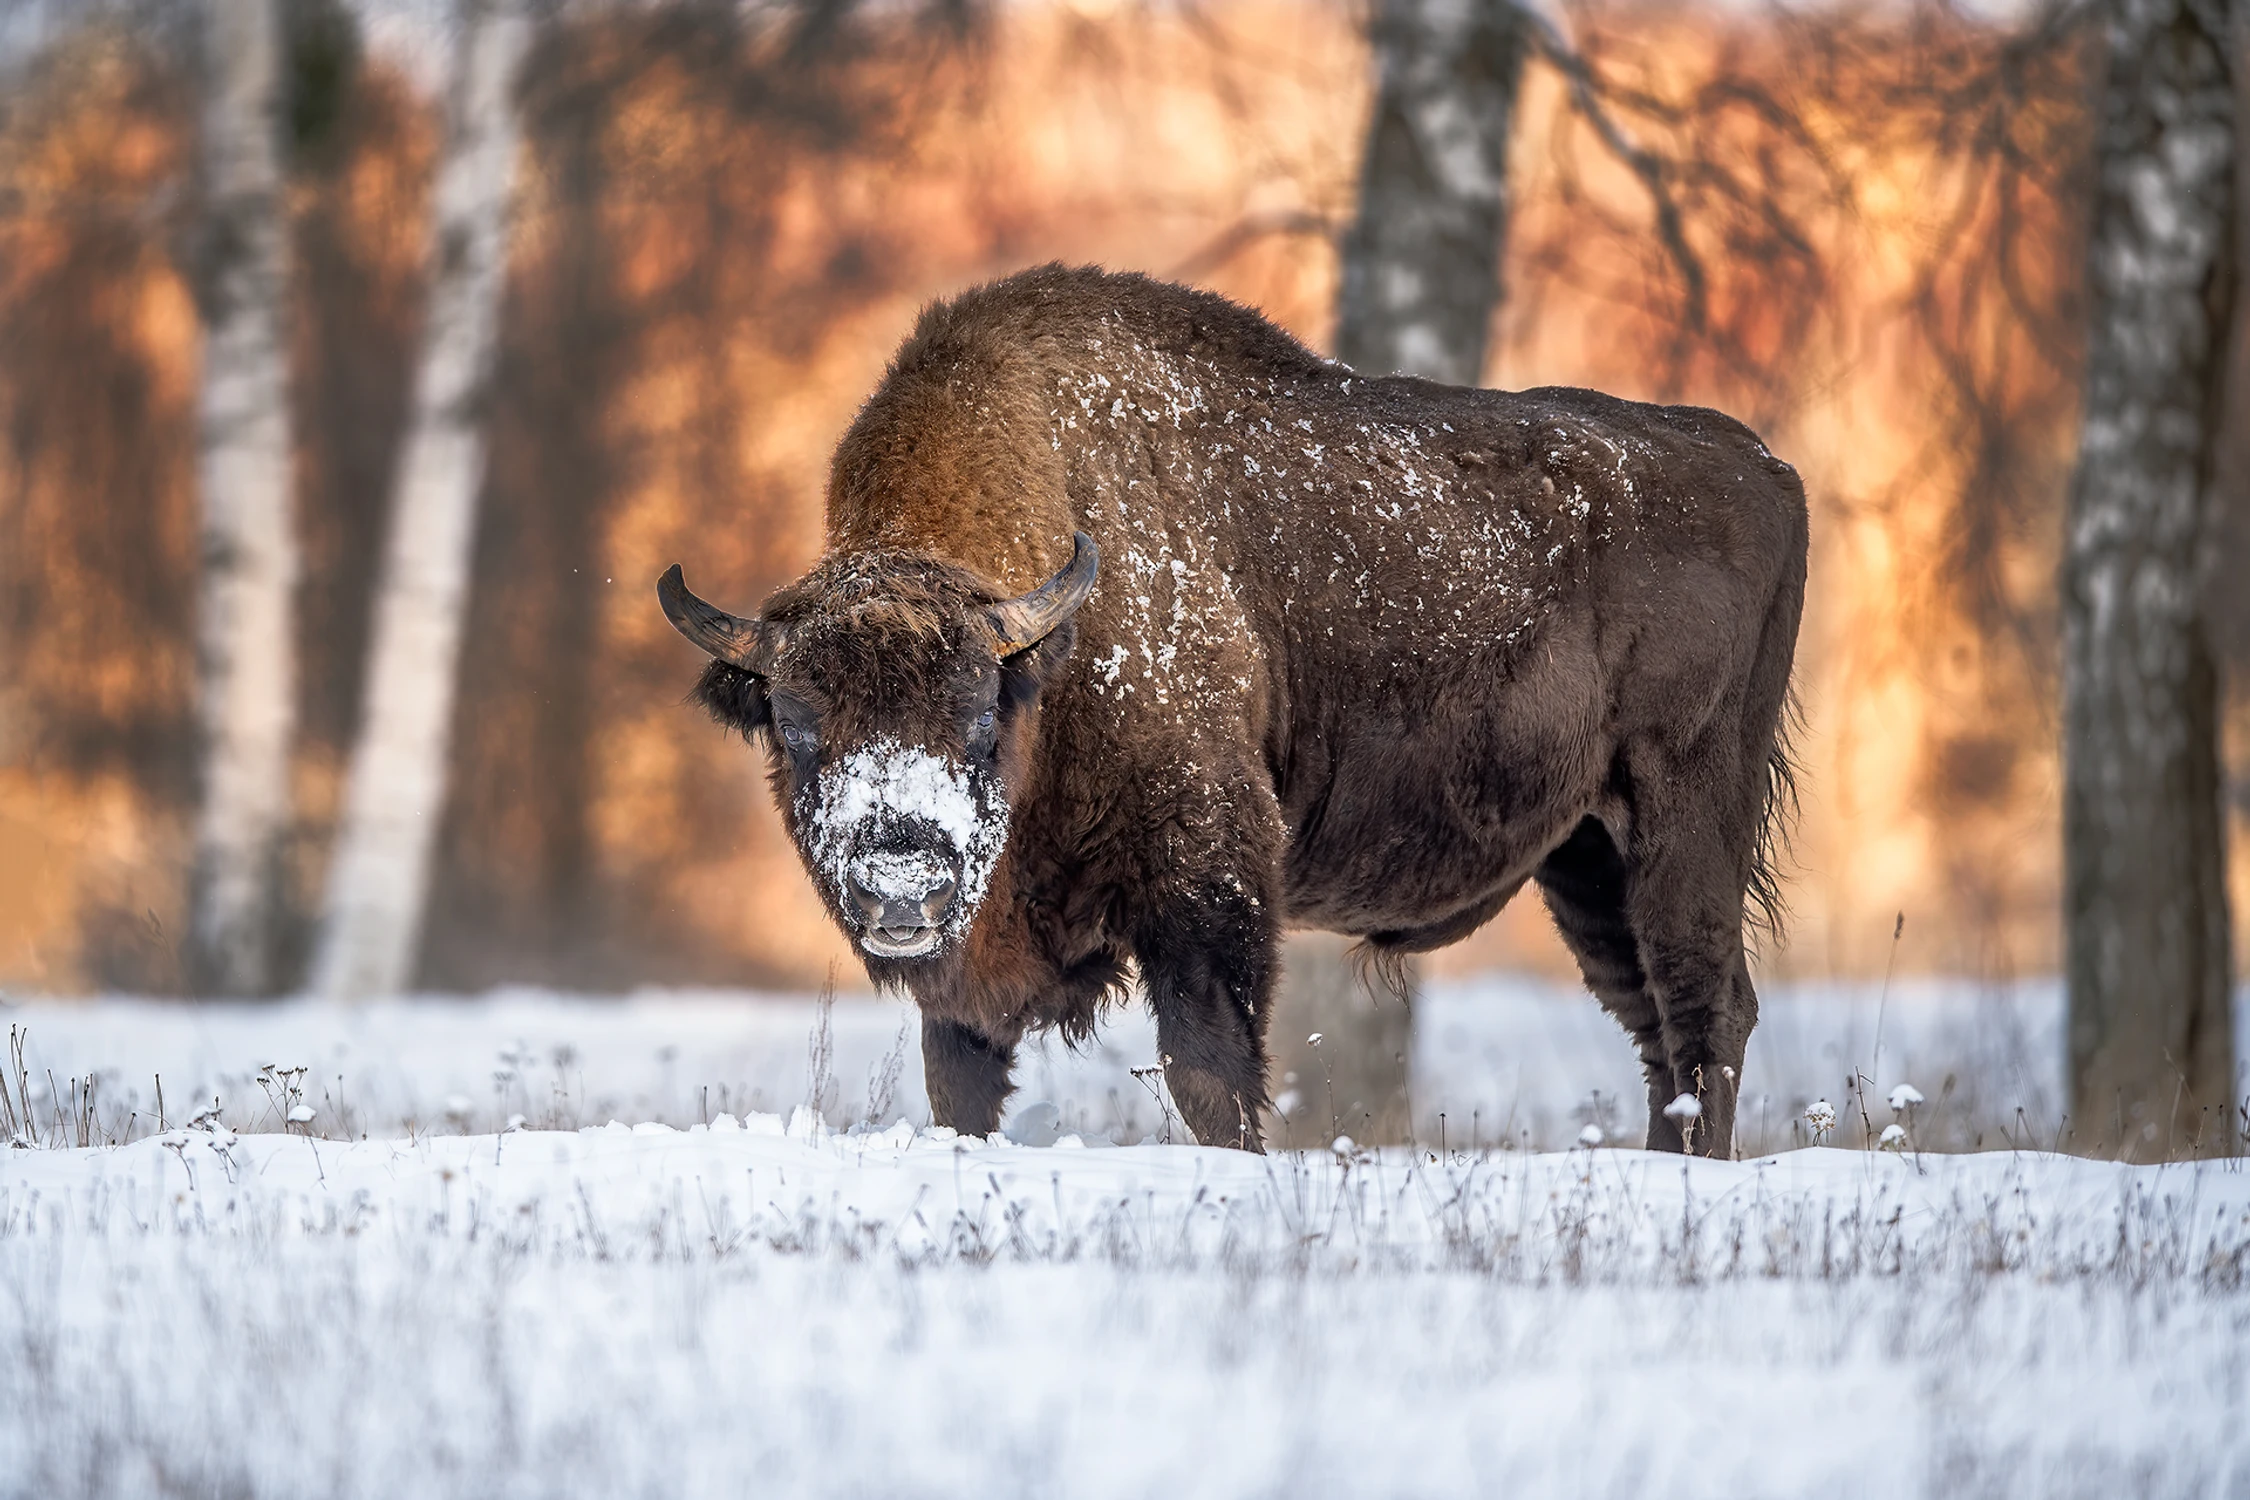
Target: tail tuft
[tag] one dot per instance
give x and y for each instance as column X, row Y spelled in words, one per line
column 1777, row 821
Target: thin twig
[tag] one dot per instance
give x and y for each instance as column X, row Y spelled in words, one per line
column 1586, row 92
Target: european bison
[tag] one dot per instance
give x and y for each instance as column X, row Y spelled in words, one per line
column 1142, row 632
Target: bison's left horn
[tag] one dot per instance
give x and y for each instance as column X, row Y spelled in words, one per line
column 748, row 644
column 1025, row 621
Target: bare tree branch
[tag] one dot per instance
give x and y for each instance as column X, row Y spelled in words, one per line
column 1251, row 229
column 1586, row 91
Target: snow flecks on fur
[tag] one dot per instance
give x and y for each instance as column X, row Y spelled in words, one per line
column 868, row 807
column 1376, row 501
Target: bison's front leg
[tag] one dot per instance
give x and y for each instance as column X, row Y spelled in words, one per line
column 1207, row 961
column 967, row 1074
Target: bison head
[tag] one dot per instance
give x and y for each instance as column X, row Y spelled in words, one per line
column 895, row 695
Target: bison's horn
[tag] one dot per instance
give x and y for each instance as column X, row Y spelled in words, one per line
column 748, row 644
column 1025, row 621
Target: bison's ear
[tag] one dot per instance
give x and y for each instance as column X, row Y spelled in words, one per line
column 1028, row 673
column 749, row 645
column 1024, row 621
column 734, row 697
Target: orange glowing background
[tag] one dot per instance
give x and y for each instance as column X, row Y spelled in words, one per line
column 715, row 252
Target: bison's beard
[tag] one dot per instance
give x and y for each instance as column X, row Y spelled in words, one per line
column 900, row 807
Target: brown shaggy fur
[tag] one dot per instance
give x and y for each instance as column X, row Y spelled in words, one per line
column 1365, row 654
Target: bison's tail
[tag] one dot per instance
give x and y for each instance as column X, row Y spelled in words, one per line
column 1777, row 820
column 1776, row 719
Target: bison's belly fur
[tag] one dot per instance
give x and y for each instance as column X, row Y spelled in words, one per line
column 1365, row 654
column 1414, row 836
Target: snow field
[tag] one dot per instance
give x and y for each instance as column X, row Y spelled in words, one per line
column 771, row 1309
column 399, row 1296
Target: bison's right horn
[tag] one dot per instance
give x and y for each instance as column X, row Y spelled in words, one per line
column 1025, row 621
column 748, row 644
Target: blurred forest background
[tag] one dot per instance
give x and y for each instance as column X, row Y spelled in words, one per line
column 1862, row 230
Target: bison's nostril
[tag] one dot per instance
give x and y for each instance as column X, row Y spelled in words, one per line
column 938, row 902
column 866, row 900
column 901, row 893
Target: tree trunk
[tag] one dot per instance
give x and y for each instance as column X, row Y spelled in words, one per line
column 246, row 713
column 1421, row 266
column 1421, row 277
column 378, row 888
column 2151, row 1038
column 1353, row 1079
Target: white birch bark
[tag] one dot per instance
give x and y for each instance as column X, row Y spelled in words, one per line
column 2151, row 1039
column 378, row 884
column 1421, row 266
column 246, row 713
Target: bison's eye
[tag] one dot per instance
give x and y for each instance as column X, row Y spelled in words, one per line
column 984, row 720
column 797, row 737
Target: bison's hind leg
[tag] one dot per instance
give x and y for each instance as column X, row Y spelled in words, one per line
column 1698, row 820
column 1584, row 885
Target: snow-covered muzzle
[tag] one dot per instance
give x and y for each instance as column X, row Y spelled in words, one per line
column 906, row 841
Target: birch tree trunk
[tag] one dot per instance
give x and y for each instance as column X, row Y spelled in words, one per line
column 2151, row 1037
column 1421, row 272
column 379, row 882
column 246, row 713
column 1421, row 277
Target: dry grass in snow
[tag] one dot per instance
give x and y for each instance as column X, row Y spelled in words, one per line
column 354, row 1278
column 754, row 1308
column 1507, row 1060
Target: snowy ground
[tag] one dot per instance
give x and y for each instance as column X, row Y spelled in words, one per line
column 738, row 1310
column 749, row 1307
column 1503, row 1059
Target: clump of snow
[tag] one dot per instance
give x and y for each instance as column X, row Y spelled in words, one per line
column 1893, row 1138
column 1820, row 1115
column 1683, row 1108
column 1904, row 1096
column 1038, row 1124
column 1591, row 1137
